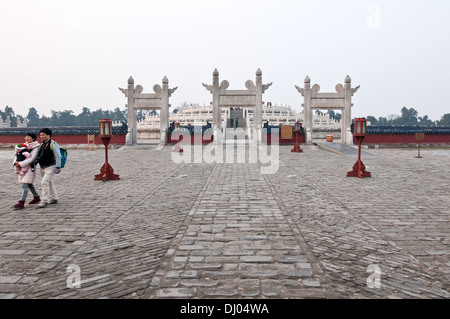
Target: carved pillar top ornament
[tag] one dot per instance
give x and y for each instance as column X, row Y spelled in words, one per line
column 348, row 85
column 171, row 91
column 348, row 79
column 250, row 85
column 210, row 88
column 307, row 86
column 307, row 79
column 224, row 85
column 265, row 87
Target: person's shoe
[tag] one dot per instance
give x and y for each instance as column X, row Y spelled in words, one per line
column 53, row 201
column 20, row 205
column 42, row 204
column 35, row 200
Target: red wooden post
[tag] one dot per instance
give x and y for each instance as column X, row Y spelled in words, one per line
column 419, row 137
column 106, row 172
column 359, row 169
column 297, row 130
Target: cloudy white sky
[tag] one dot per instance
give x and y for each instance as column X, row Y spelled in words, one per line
column 67, row 54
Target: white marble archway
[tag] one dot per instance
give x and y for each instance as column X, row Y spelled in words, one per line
column 342, row 101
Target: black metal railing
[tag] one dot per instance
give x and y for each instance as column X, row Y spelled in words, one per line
column 190, row 129
column 406, row 130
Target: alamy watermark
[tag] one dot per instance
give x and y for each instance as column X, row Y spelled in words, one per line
column 374, row 280
column 74, row 279
column 232, row 151
column 374, row 18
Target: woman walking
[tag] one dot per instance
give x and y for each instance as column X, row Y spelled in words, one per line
column 28, row 179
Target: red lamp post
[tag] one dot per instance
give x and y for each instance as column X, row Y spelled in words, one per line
column 359, row 169
column 177, row 148
column 106, row 172
column 297, row 130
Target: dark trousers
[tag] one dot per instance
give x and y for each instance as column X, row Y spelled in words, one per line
column 25, row 188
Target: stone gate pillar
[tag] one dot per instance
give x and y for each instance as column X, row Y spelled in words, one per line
column 257, row 118
column 164, row 113
column 132, row 114
column 308, row 113
column 217, row 112
column 347, row 137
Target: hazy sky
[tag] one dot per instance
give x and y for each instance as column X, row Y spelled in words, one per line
column 67, row 54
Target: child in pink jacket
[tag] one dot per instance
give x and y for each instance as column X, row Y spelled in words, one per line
column 21, row 153
column 27, row 179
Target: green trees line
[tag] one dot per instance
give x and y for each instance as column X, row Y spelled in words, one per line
column 408, row 117
column 67, row 117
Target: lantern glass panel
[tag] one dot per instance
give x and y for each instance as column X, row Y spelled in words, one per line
column 102, row 130
column 107, row 129
column 358, row 127
column 364, row 127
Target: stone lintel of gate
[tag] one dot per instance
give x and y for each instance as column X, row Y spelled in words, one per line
column 159, row 100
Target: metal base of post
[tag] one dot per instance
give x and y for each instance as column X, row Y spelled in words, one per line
column 297, row 149
column 359, row 170
column 106, row 173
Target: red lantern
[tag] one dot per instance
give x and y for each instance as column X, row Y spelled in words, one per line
column 359, row 169
column 106, row 172
column 297, row 130
column 105, row 129
column 360, row 127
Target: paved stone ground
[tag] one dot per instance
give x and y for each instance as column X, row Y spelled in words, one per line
column 169, row 230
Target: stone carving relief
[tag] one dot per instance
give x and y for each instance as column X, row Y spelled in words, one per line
column 266, row 86
column 139, row 89
column 210, row 88
column 224, row 85
column 157, row 88
column 250, row 85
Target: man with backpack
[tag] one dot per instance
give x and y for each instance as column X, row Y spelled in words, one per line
column 49, row 158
